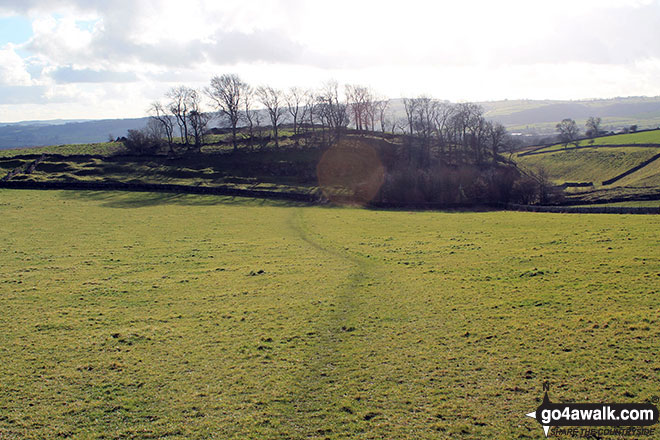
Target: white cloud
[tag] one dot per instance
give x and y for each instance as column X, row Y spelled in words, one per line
column 13, row 70
column 457, row 50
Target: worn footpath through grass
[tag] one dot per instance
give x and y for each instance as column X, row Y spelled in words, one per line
column 130, row 315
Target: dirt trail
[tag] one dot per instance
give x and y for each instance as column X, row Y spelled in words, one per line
column 322, row 388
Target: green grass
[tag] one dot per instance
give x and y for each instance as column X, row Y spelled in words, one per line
column 600, row 164
column 646, row 137
column 635, row 204
column 289, row 170
column 588, row 165
column 643, row 121
column 131, row 315
column 647, row 176
column 104, row 149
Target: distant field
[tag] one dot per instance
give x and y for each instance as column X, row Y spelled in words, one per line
column 646, row 137
column 131, row 315
column 608, row 123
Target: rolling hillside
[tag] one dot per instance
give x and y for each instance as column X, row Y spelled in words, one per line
column 41, row 133
column 540, row 117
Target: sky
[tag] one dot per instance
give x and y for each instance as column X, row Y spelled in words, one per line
column 93, row 59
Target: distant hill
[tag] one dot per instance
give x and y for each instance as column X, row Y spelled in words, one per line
column 43, row 133
column 540, row 117
column 531, row 117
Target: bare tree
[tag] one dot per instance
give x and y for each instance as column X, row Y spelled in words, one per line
column 226, row 92
column 593, row 127
column 497, row 134
column 443, row 114
column 295, row 106
column 198, row 119
column 259, row 130
column 568, row 131
column 179, row 108
column 362, row 106
column 410, row 106
column 251, row 116
column 310, row 107
column 353, row 98
column 381, row 109
column 468, row 130
column 424, row 117
column 542, row 178
column 272, row 99
column 159, row 114
column 333, row 110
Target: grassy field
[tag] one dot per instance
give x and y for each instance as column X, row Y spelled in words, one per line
column 131, row 315
column 645, row 137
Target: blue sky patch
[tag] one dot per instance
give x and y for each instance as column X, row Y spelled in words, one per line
column 15, row 30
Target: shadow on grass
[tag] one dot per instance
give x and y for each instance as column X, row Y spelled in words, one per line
column 128, row 199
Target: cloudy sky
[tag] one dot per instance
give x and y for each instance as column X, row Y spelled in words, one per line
column 111, row 58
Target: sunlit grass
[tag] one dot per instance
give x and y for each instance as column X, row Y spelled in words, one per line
column 131, row 315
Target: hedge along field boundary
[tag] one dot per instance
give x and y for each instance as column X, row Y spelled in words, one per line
column 311, row 198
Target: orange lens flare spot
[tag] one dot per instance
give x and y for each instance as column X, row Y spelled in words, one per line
column 350, row 173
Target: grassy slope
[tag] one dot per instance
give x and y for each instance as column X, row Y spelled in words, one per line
column 647, row 176
column 257, row 170
column 137, row 315
column 588, row 165
column 104, row 148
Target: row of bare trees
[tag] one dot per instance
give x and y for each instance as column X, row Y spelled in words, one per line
column 183, row 111
column 235, row 103
column 429, row 124
column 453, row 129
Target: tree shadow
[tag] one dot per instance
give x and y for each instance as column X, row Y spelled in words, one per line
column 131, row 199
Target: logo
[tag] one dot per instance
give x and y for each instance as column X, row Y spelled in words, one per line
column 618, row 415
